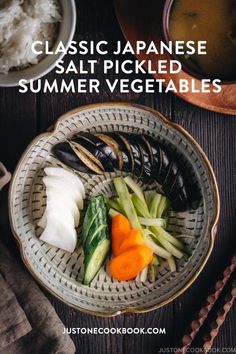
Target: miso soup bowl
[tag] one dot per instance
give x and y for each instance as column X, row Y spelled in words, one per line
column 188, row 69
column 66, row 32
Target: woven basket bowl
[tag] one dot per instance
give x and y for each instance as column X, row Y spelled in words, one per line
column 61, row 272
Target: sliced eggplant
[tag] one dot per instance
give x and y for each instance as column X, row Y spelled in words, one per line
column 195, row 196
column 104, row 147
column 130, row 141
column 175, row 181
column 70, row 154
column 192, row 191
column 106, row 138
column 64, row 152
column 90, row 151
column 172, row 179
column 166, row 166
column 85, row 157
column 166, row 172
column 127, row 163
column 165, row 169
column 94, row 154
column 148, row 147
column 179, row 203
column 147, row 165
column 155, row 154
column 181, row 183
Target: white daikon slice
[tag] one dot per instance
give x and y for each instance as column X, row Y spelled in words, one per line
column 57, row 233
column 63, row 187
column 67, row 175
column 75, row 214
column 64, row 207
column 54, row 195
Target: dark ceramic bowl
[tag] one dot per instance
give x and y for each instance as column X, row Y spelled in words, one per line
column 187, row 68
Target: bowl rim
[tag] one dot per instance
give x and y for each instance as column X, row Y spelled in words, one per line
column 165, row 28
column 212, row 227
column 57, row 57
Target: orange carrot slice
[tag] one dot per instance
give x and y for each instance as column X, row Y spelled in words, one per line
column 128, row 264
column 133, row 238
column 119, row 229
column 120, row 223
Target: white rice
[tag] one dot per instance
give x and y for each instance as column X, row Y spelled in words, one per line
column 23, row 22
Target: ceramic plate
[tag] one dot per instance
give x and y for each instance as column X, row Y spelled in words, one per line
column 61, row 272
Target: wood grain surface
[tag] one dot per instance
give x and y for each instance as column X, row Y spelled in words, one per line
column 22, row 116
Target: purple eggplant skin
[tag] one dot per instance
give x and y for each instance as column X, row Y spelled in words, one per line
column 179, row 203
column 166, row 172
column 162, row 162
column 102, row 146
column 147, row 158
column 65, row 154
column 98, row 154
column 136, row 152
column 128, row 165
column 171, row 176
column 155, row 153
column 184, row 185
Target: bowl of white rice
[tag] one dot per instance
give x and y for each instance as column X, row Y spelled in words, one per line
column 23, row 23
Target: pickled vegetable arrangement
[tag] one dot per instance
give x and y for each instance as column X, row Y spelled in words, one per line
column 131, row 228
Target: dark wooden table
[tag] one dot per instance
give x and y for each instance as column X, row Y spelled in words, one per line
column 23, row 116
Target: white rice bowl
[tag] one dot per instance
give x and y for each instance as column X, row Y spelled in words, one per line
column 23, row 22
